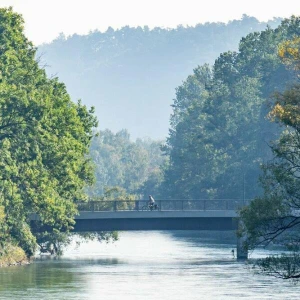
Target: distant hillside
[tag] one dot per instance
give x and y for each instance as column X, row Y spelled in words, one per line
column 130, row 75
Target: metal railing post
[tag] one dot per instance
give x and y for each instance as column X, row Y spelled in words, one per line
column 115, row 205
column 137, row 205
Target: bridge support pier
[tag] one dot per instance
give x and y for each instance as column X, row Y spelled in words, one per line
column 241, row 251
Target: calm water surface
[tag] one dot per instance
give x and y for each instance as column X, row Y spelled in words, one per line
column 146, row 265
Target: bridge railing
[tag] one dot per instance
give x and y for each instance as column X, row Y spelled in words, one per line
column 163, row 205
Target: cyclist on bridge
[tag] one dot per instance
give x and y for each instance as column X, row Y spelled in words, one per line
column 151, row 202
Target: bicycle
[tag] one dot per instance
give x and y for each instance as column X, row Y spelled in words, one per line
column 150, row 207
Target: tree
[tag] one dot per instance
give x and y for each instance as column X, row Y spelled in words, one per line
column 44, row 141
column 219, row 131
column 120, row 162
column 274, row 217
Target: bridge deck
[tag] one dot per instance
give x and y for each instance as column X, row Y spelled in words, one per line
column 88, row 215
column 156, row 220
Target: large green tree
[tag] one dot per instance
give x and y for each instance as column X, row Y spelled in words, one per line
column 44, row 141
column 274, row 217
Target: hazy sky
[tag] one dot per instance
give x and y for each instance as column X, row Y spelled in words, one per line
column 45, row 19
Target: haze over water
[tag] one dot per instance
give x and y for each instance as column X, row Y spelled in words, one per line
column 146, row 265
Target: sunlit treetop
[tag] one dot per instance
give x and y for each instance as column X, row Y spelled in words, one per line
column 287, row 106
column 289, row 52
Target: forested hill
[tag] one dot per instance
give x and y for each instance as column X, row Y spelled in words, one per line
column 130, row 74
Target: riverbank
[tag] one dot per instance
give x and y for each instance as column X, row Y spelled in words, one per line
column 12, row 255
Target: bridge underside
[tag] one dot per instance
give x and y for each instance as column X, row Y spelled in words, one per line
column 124, row 224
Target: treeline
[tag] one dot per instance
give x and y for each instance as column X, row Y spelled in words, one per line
column 129, row 74
column 220, row 132
column 135, row 167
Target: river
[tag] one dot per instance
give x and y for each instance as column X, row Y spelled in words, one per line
column 146, row 265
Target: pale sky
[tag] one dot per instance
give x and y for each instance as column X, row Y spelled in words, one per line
column 45, row 19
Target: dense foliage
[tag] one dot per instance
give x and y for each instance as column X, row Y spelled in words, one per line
column 274, row 217
column 44, row 142
column 120, row 162
column 219, row 132
column 138, row 68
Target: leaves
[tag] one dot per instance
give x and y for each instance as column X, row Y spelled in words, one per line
column 220, row 132
column 120, row 162
column 44, row 140
column 274, row 217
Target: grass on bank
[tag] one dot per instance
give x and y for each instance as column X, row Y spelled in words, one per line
column 11, row 255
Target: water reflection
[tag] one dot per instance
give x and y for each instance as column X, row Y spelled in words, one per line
column 33, row 275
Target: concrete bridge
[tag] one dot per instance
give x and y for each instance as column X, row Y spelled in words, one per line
column 166, row 215
column 124, row 215
column 156, row 220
